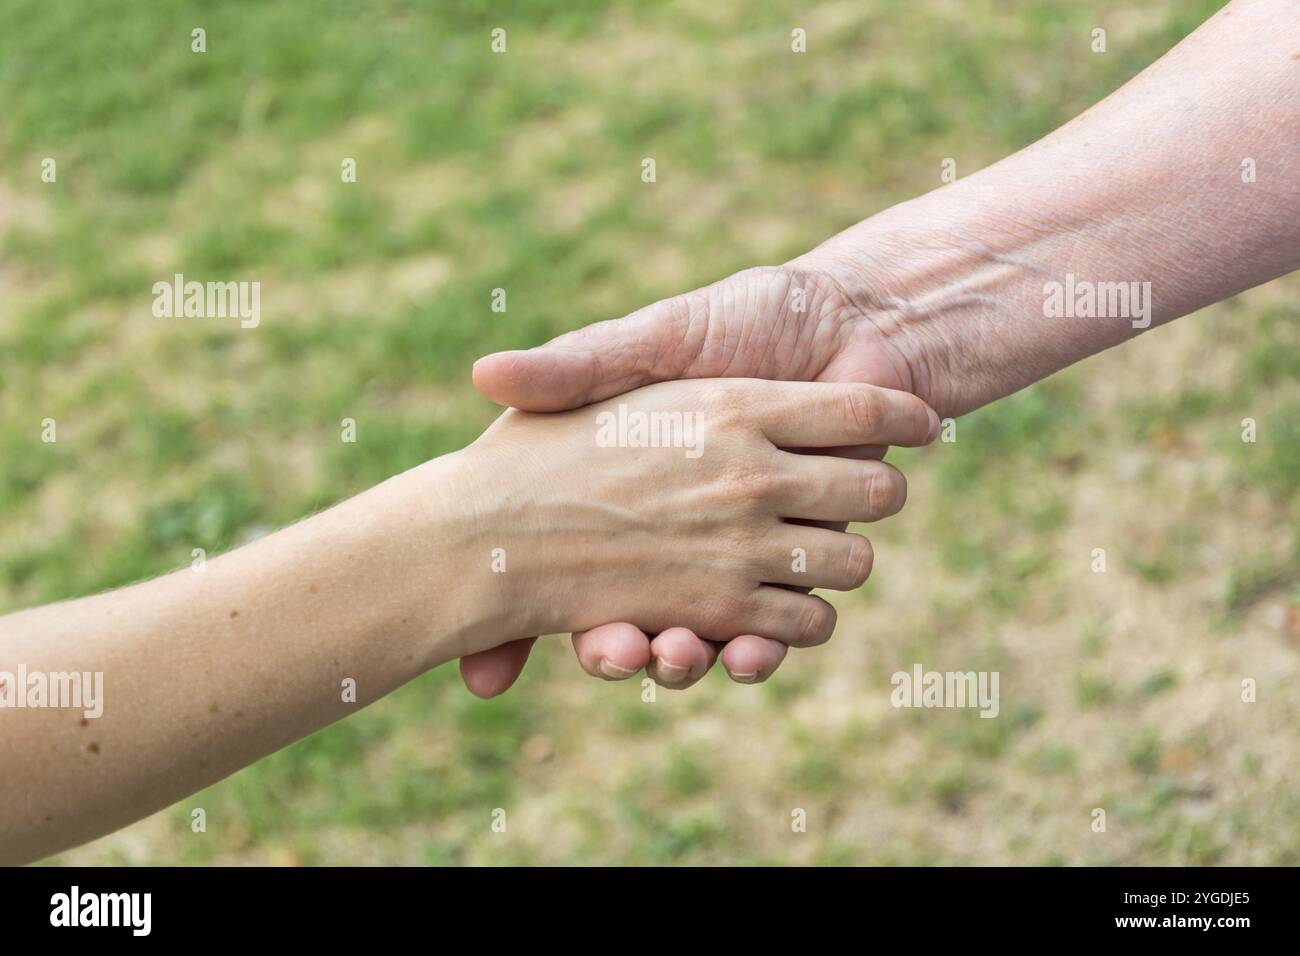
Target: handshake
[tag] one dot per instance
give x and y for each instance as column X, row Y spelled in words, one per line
column 669, row 486
column 698, row 511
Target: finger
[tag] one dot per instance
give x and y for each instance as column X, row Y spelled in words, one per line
column 796, row 619
column 822, row 414
column 856, row 452
column 815, row 558
column 832, row 525
column 838, row 489
column 493, row 671
column 612, row 651
column 750, row 659
column 679, row 658
column 600, row 360
column 563, row 374
column 733, row 327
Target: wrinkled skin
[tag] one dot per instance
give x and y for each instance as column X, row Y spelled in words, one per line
column 792, row 323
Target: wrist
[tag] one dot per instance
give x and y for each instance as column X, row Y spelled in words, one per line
column 928, row 299
column 952, row 285
column 475, row 597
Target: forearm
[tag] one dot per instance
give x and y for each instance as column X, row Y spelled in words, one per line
column 1146, row 187
column 208, row 669
column 548, row 523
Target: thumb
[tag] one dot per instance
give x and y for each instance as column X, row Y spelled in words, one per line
column 726, row 328
column 492, row 672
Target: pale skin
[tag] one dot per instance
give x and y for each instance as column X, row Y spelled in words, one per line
column 208, row 669
column 944, row 295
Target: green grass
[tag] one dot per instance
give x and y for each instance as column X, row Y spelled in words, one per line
column 521, row 171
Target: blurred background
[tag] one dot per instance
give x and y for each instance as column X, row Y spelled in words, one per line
column 1119, row 690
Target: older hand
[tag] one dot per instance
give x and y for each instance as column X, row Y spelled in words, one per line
column 794, row 323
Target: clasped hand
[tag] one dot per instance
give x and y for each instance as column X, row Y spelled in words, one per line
column 707, row 543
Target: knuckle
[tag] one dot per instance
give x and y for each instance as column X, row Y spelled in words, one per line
column 720, row 614
column 747, row 554
column 861, row 557
column 722, row 400
column 816, row 623
column 750, row 483
column 714, row 395
column 688, row 313
column 883, row 491
column 861, row 410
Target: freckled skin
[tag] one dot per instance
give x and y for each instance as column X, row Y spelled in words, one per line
column 406, row 589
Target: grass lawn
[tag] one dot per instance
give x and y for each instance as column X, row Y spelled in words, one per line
column 522, row 171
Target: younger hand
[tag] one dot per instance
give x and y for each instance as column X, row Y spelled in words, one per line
column 696, row 536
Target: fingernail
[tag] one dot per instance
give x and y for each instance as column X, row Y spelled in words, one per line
column 672, row 673
column 746, row 677
column 934, row 425
column 613, row 671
